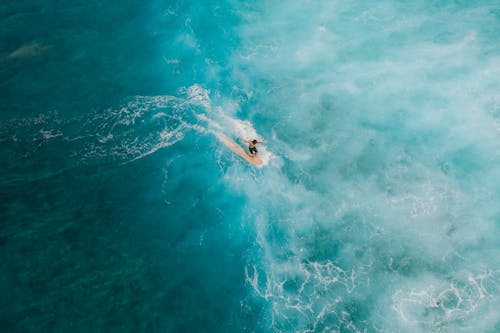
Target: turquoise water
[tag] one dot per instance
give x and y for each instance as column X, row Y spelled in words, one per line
column 376, row 209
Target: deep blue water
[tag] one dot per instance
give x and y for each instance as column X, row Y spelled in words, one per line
column 376, row 209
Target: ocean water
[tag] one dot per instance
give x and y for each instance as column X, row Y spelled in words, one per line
column 377, row 207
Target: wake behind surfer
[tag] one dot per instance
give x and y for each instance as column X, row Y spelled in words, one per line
column 251, row 147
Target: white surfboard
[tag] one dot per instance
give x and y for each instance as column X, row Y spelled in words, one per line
column 236, row 148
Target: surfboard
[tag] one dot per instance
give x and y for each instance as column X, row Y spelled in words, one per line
column 236, row 148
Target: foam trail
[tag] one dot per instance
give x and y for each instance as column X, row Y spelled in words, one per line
column 245, row 131
column 140, row 128
column 218, row 121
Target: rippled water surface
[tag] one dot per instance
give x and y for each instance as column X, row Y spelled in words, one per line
column 376, row 208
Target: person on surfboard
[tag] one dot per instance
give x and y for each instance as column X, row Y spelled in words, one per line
column 251, row 147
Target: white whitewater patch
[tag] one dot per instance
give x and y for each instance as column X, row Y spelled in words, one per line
column 296, row 296
column 384, row 214
column 145, row 125
column 219, row 121
column 245, row 131
column 50, row 134
column 167, row 138
column 139, row 129
column 438, row 306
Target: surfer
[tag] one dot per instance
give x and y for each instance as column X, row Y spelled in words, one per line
column 251, row 147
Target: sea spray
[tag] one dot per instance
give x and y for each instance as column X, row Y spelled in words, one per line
column 383, row 216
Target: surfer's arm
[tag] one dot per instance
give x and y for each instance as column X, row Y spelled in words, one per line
column 251, row 141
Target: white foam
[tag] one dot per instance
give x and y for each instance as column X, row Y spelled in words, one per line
column 396, row 164
column 244, row 130
column 114, row 128
column 217, row 119
column 50, row 134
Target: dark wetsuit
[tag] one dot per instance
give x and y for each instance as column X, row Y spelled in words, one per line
column 252, row 150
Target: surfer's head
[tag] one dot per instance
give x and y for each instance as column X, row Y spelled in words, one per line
column 254, row 141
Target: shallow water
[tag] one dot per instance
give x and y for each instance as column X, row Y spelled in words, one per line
column 376, row 209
